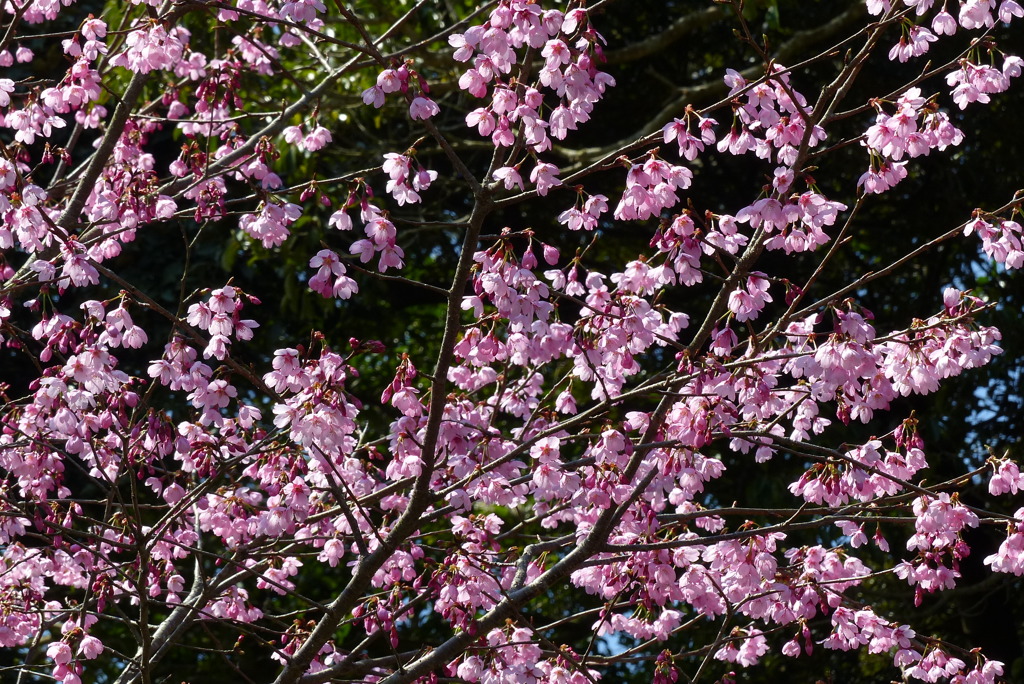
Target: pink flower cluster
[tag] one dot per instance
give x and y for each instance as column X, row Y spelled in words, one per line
column 270, row 224
column 570, row 48
column 772, row 119
column 1001, row 240
column 380, row 237
column 650, row 188
column 220, row 316
column 1010, row 556
column 329, row 268
column 396, row 80
column 975, row 82
column 939, row 524
column 316, row 139
column 153, row 48
column 403, row 183
column 912, row 130
column 690, row 145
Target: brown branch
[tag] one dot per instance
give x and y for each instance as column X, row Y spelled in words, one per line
column 681, row 27
column 712, row 91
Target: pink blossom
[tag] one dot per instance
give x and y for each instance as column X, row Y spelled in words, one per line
column 1008, row 9
column 509, row 177
column 544, row 175
column 317, row 139
column 374, row 95
column 1006, row 478
column 943, row 23
column 391, row 80
column 90, row 647
column 340, row 220
column 59, row 652
column 747, row 303
column 422, row 108
column 6, row 88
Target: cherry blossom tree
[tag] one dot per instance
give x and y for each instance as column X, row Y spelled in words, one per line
column 168, row 485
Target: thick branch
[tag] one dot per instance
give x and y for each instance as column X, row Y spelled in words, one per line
column 421, row 493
